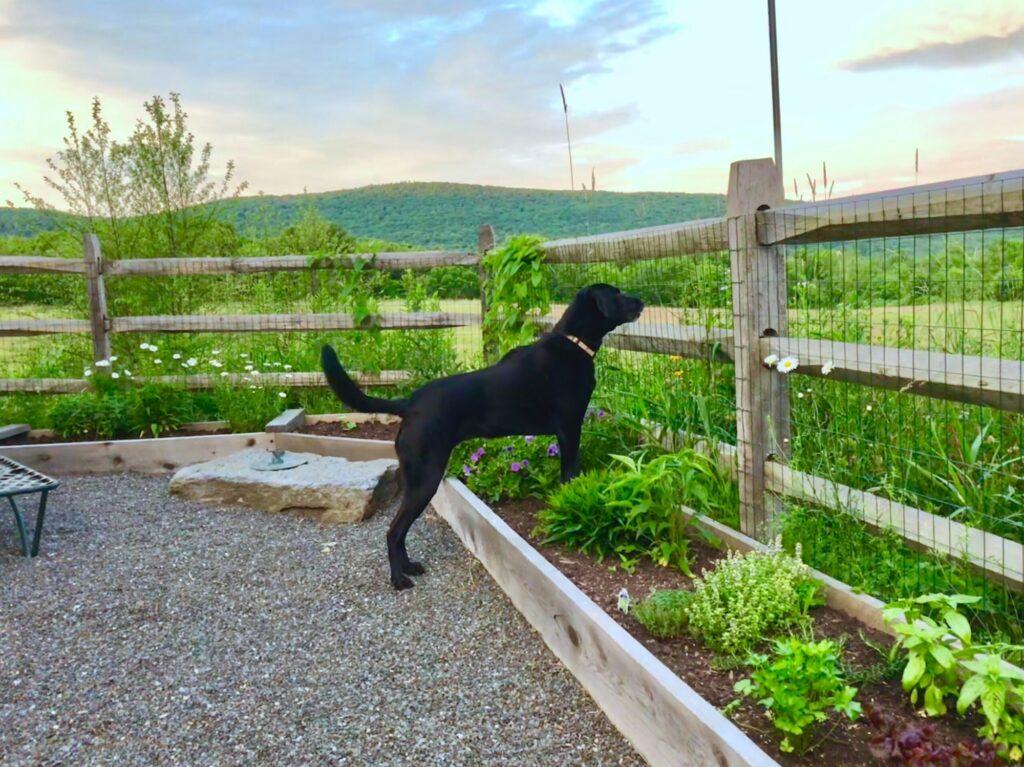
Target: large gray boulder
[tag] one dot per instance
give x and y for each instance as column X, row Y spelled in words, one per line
column 331, row 490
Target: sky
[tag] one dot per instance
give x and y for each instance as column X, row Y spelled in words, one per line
column 663, row 94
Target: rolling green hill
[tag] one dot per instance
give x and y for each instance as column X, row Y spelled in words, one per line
column 438, row 215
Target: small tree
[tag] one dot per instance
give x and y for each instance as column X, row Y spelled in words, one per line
column 152, row 195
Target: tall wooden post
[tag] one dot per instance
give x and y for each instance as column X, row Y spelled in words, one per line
column 759, row 310
column 484, row 243
column 97, row 297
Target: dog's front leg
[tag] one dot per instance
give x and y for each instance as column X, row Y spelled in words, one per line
column 569, row 449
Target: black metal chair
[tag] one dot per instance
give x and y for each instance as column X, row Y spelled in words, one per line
column 16, row 479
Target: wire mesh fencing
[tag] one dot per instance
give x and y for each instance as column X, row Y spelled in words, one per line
column 856, row 363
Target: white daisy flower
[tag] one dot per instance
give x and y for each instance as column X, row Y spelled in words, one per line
column 243, row 355
column 158, row 361
column 224, row 373
column 175, row 356
column 115, row 375
column 102, row 363
column 87, row 373
column 771, row 359
column 255, row 372
column 127, row 374
column 787, row 364
column 281, row 394
column 144, row 346
column 287, row 367
column 828, row 367
column 215, row 363
column 215, row 352
column 153, row 348
column 192, row 362
column 113, row 358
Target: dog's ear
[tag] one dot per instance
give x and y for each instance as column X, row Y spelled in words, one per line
column 606, row 303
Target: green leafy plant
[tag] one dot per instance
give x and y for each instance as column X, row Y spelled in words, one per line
column 517, row 289
column 999, row 686
column 509, row 468
column 90, row 414
column 664, row 612
column 748, row 597
column 798, row 686
column 933, row 634
column 630, row 511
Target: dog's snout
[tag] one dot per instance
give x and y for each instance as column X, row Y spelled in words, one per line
column 636, row 306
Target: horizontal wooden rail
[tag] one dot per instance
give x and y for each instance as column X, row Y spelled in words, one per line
column 981, row 202
column 654, row 242
column 284, row 380
column 693, row 341
column 425, row 259
column 30, row 327
column 998, row 558
column 264, row 323
column 41, row 265
column 991, row 381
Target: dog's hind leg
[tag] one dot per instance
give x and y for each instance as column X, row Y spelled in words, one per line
column 421, row 481
column 569, row 449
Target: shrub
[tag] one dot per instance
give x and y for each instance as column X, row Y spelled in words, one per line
column 664, row 612
column 798, row 686
column 157, row 408
column 629, row 512
column 747, row 597
column 90, row 414
column 509, row 468
column 517, row 289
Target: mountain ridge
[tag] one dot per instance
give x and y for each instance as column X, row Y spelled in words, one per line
column 444, row 214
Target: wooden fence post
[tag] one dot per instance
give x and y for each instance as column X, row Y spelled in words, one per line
column 98, row 319
column 759, row 310
column 484, row 242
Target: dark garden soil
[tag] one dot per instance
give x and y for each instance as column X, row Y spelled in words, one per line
column 842, row 742
column 25, row 439
column 366, row 430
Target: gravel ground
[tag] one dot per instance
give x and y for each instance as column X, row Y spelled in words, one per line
column 157, row 631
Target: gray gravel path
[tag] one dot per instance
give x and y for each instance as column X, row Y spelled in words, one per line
column 158, row 631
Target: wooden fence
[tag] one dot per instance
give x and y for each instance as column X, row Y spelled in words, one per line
column 754, row 232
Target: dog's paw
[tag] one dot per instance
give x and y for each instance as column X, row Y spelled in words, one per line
column 413, row 568
column 402, row 582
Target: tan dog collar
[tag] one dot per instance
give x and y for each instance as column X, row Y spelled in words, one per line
column 576, row 340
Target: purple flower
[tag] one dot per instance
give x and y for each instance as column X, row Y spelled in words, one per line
column 508, row 448
column 553, row 449
column 529, row 438
column 477, row 455
column 601, row 414
column 525, row 463
column 516, row 466
column 466, row 470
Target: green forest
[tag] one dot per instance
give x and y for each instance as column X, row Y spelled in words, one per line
column 437, row 215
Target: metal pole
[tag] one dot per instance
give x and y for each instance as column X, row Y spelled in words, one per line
column 776, row 111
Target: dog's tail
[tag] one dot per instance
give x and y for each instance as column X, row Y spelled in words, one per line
column 351, row 394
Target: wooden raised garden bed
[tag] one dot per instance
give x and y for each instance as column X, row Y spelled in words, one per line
column 663, row 695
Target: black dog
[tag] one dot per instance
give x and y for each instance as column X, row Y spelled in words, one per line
column 543, row 388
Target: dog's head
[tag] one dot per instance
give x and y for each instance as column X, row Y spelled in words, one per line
column 610, row 306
